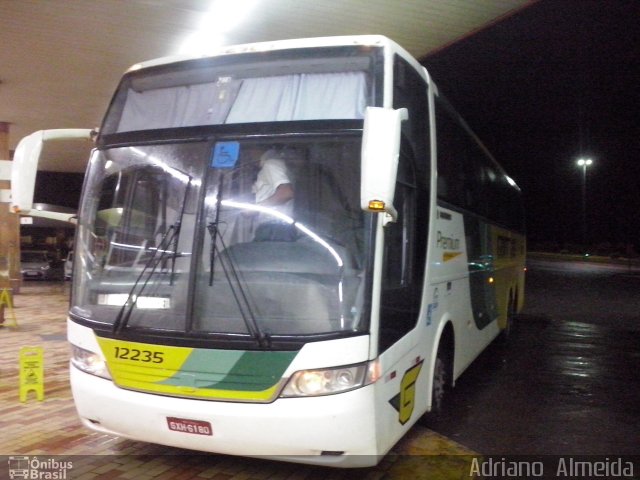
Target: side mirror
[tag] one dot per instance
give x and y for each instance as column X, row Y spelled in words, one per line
column 379, row 157
column 23, row 171
column 27, row 158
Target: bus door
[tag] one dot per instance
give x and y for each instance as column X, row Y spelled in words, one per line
column 401, row 353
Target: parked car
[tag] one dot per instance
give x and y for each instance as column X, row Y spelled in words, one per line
column 35, row 265
column 68, row 266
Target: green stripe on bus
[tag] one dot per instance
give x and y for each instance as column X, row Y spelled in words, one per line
column 196, row 372
column 232, row 370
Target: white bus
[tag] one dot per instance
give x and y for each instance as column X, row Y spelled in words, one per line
column 317, row 327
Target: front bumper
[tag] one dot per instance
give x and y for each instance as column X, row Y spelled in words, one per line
column 333, row 430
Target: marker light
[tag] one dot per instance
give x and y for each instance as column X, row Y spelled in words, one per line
column 326, row 381
column 89, row 362
column 376, row 205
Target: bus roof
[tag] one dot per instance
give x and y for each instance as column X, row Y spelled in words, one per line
column 349, row 40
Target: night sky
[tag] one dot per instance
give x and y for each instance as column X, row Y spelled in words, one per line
column 557, row 81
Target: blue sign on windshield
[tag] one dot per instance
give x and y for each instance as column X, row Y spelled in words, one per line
column 225, row 154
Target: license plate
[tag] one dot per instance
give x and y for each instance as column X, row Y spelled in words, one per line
column 185, row 425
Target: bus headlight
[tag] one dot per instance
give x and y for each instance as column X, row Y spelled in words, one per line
column 326, row 381
column 89, row 362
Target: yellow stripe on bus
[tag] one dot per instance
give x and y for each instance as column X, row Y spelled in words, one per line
column 144, row 367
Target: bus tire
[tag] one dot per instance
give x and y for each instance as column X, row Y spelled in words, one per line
column 441, row 384
column 506, row 332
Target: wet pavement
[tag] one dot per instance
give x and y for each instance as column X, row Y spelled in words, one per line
column 567, row 382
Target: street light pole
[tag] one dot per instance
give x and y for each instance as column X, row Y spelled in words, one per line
column 584, row 163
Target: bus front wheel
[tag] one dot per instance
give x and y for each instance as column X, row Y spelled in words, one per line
column 441, row 381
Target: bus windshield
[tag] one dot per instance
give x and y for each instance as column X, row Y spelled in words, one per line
column 238, row 237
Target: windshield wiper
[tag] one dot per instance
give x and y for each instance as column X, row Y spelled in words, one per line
column 177, row 235
column 152, row 264
column 169, row 239
column 213, row 228
column 232, row 277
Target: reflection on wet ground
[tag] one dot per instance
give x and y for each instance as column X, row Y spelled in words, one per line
column 566, row 382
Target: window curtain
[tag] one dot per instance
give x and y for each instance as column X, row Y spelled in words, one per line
column 183, row 106
column 300, row 97
column 264, row 99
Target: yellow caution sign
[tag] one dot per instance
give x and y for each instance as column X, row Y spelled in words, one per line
column 31, row 372
column 5, row 301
